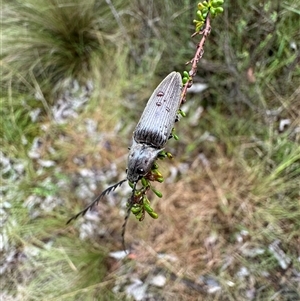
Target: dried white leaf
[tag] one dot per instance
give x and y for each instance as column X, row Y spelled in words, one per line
column 34, row 114
column 283, row 260
column 158, row 280
column 283, row 124
column 46, row 163
column 243, row 272
column 118, row 254
column 137, row 290
column 167, row 257
column 251, row 252
column 230, row 283
column 212, row 284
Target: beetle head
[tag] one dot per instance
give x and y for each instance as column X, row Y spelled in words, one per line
column 140, row 160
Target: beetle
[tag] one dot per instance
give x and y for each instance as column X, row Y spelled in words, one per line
column 154, row 127
column 150, row 135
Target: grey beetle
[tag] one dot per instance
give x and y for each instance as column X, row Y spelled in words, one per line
column 151, row 133
column 154, row 127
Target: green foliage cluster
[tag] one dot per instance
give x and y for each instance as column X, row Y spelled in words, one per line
column 213, row 8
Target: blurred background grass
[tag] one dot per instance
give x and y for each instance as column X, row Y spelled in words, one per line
column 75, row 78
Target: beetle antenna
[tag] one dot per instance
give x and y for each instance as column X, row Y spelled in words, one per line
column 96, row 200
column 131, row 202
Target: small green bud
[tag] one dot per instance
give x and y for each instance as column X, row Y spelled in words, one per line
column 136, row 209
column 199, row 14
column 153, row 214
column 185, row 80
column 140, row 215
column 169, row 155
column 212, row 11
column 198, row 24
column 154, row 166
column 201, row 19
column 138, row 193
column 200, row 5
column 158, row 193
column 185, row 74
column 145, row 182
column 199, row 27
column 175, row 137
column 205, row 3
column 204, row 12
column 181, row 113
column 157, row 173
column 160, row 179
column 148, row 208
column 219, row 10
column 217, row 3
column 162, row 155
column 146, row 201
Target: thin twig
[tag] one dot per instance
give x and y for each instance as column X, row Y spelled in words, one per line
column 197, row 57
